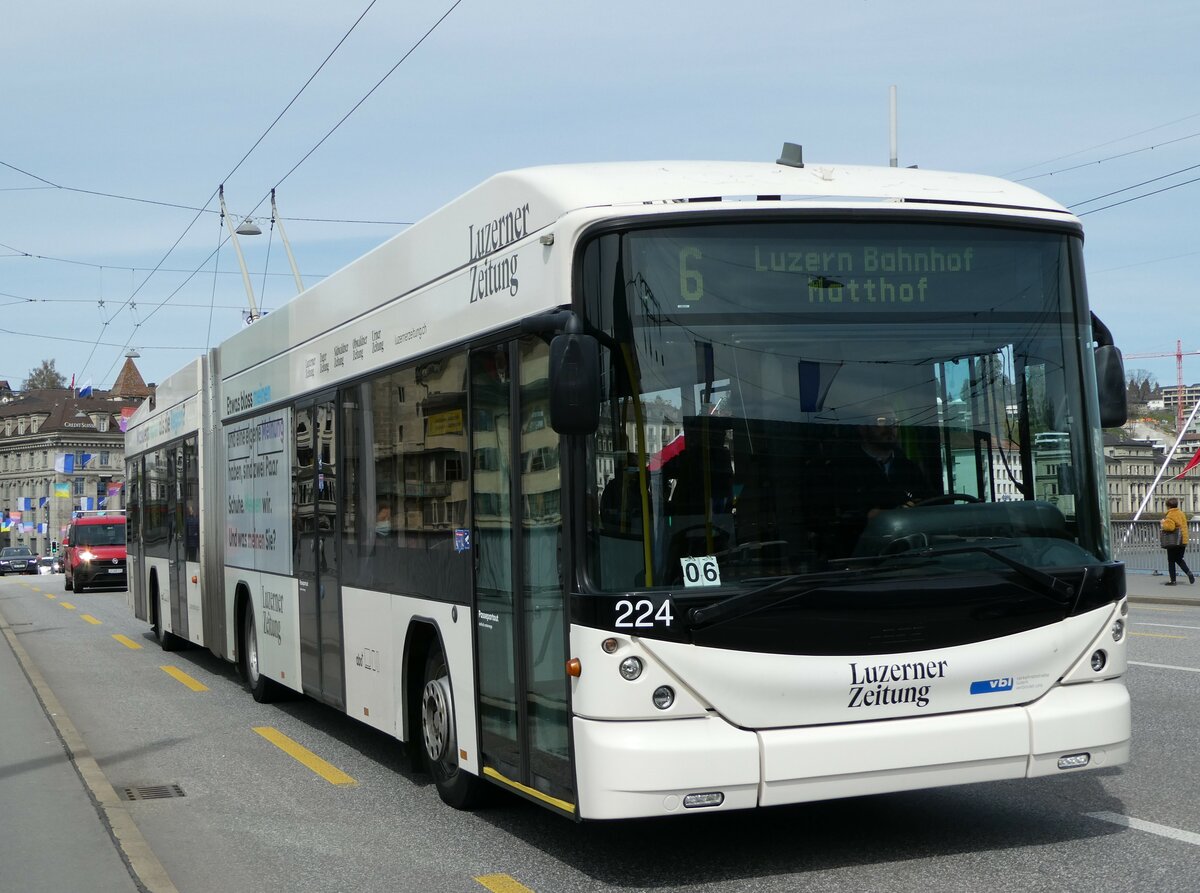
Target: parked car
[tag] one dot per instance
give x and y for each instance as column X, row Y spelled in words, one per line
column 17, row 560
column 49, row 564
column 94, row 552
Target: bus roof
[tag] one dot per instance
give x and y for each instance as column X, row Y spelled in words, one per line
column 572, row 186
column 509, row 208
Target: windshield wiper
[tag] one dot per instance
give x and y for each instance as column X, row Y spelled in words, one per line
column 1058, row 591
column 744, row 603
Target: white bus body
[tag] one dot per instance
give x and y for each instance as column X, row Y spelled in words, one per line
column 389, row 522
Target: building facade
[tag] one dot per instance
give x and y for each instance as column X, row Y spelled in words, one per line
column 1132, row 465
column 62, row 452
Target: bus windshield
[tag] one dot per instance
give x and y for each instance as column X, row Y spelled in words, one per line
column 792, row 398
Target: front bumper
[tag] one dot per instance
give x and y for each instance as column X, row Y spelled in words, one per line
column 99, row 573
column 647, row 768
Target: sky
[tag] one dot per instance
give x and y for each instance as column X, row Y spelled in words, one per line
column 123, row 118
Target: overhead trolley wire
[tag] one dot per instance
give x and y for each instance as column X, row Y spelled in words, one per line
column 1076, row 167
column 354, row 108
column 182, row 207
column 1102, row 145
column 309, row 153
column 234, row 170
column 1097, row 198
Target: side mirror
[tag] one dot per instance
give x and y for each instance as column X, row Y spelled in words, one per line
column 574, row 383
column 1110, row 386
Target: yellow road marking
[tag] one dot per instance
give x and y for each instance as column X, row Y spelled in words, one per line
column 90, row 619
column 127, row 642
column 502, row 883
column 183, row 677
column 47, row 594
column 1157, row 635
column 303, row 755
column 68, row 606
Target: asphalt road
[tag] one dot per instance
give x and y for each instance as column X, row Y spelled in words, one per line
column 254, row 817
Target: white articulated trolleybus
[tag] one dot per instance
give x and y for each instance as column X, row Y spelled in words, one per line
column 652, row 489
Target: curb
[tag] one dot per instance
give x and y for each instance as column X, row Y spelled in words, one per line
column 1163, row 600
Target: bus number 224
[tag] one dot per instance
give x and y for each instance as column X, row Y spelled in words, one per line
column 642, row 614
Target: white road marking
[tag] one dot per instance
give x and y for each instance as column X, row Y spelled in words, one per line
column 1167, row 625
column 1138, row 663
column 1152, row 827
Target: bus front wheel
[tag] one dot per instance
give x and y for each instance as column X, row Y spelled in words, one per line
column 455, row 786
column 262, row 688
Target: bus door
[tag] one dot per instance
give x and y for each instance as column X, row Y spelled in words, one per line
column 314, row 500
column 176, row 538
column 521, row 628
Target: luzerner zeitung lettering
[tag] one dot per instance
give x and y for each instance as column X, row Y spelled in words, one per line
column 871, row 684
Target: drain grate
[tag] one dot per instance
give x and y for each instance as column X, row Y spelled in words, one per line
column 152, row 792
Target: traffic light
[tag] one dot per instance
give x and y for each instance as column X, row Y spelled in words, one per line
column 53, row 547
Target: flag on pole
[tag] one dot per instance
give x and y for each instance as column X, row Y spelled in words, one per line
column 62, row 491
column 65, row 464
column 84, row 459
column 1192, row 464
column 86, row 390
column 25, row 503
column 87, row 503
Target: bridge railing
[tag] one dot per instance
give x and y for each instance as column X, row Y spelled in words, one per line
column 1136, row 543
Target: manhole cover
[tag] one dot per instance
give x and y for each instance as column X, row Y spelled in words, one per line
column 152, row 792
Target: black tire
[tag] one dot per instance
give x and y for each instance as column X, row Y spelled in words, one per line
column 67, row 584
column 166, row 641
column 263, row 690
column 439, row 740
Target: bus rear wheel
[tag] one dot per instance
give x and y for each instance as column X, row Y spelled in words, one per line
column 263, row 689
column 455, row 786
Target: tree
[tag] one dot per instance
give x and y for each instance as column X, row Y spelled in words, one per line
column 45, row 376
column 1140, row 385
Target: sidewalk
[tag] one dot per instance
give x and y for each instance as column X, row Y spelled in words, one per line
column 1151, row 589
column 54, row 838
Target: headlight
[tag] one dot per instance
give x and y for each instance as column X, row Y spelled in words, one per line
column 631, row 668
column 85, row 555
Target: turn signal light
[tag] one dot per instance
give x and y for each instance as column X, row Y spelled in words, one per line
column 574, row 667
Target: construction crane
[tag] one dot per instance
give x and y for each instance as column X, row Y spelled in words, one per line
column 1179, row 354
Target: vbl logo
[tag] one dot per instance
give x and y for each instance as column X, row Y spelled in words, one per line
column 987, row 686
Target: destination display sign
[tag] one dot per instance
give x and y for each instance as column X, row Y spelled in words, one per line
column 871, row 267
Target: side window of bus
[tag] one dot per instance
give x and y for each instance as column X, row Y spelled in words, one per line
column 406, row 483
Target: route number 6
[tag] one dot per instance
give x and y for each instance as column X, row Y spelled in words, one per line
column 701, row 571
